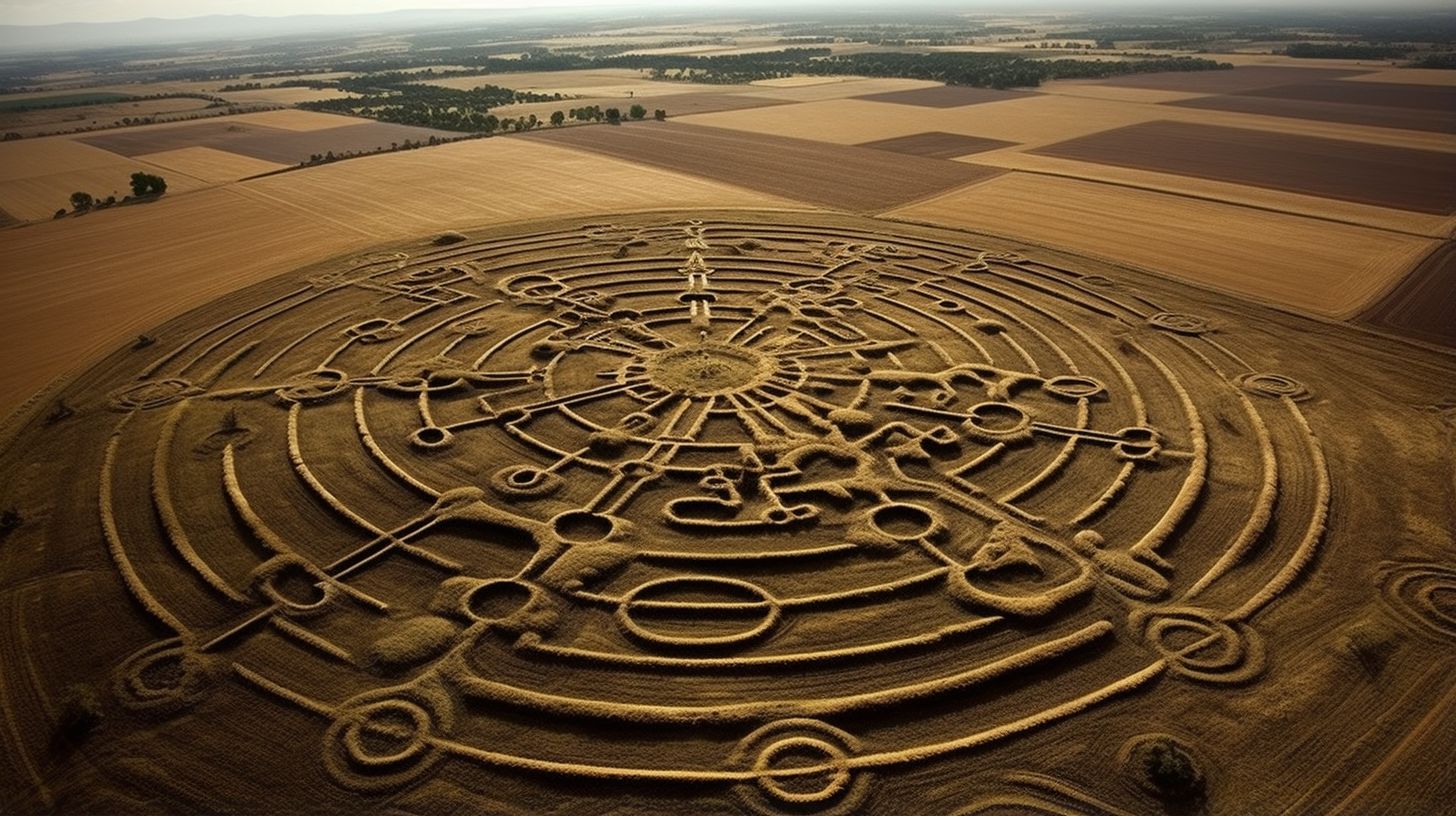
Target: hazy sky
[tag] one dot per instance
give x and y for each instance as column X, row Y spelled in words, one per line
column 33, row 12
column 38, row 12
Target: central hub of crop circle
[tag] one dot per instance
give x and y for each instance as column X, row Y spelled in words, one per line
column 710, row 368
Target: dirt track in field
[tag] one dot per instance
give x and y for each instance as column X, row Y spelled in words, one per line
column 1419, row 180
column 851, row 178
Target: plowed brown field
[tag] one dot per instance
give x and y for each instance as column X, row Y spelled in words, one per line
column 1419, row 180
column 850, row 178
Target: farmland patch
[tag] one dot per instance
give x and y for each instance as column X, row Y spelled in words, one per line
column 1374, row 174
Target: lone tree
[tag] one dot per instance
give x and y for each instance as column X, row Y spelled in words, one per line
column 558, row 119
column 637, row 112
column 81, row 201
column 660, row 115
column 146, row 184
column 614, row 116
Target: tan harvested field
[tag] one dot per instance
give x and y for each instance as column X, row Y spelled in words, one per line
column 730, row 512
column 162, row 257
column 263, row 141
column 1327, row 268
column 133, row 88
column 1029, row 119
column 51, row 120
column 801, row 81
column 285, row 96
column 843, row 177
column 1424, row 181
column 30, row 157
column 1033, row 120
column 37, row 176
column 210, row 164
column 38, row 197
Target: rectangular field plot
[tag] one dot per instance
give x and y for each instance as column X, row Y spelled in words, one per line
column 60, row 120
column 295, row 119
column 1422, row 305
column 1235, row 80
column 837, row 87
column 26, row 158
column 210, row 164
column 1410, row 76
column 1382, row 95
column 61, row 100
column 38, row 197
column 842, row 176
column 1434, row 120
column 945, row 96
column 937, row 145
column 1419, row 180
column 1030, row 119
column 37, row 176
column 1306, row 263
column 263, row 141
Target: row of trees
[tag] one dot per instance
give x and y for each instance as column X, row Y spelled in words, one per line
column 491, row 126
column 143, row 186
column 398, row 97
column 1308, row 50
column 953, row 68
column 594, row 113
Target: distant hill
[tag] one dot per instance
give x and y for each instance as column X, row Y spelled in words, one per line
column 159, row 31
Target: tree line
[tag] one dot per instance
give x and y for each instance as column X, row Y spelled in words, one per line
column 143, row 186
column 400, row 97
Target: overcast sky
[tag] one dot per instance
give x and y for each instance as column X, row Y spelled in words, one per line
column 40, row 12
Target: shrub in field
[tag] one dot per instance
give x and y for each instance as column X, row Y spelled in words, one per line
column 147, row 184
